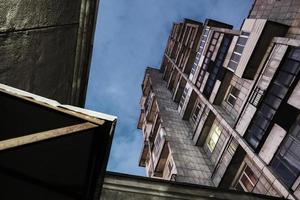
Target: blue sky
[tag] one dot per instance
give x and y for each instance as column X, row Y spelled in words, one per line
column 131, row 35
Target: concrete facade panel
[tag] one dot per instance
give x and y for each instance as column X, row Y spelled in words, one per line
column 272, row 143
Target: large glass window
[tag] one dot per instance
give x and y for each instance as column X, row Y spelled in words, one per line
column 216, row 66
column 247, row 180
column 238, row 50
column 275, row 94
column 207, row 59
column 203, row 40
column 286, row 162
column 213, row 137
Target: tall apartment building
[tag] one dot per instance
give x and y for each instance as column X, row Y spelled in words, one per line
column 223, row 110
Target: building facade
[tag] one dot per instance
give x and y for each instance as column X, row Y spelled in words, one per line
column 223, row 110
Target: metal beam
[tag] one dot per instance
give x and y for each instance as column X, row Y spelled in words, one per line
column 36, row 137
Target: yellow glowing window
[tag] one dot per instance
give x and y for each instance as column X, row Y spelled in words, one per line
column 213, row 137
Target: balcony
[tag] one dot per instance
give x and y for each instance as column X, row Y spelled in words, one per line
column 150, row 108
column 157, row 147
column 144, row 154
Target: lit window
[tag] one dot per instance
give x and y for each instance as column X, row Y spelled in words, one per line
column 247, row 180
column 232, row 95
column 213, row 137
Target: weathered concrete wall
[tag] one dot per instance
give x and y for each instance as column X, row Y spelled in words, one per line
column 26, row 14
column 39, row 61
column 38, row 45
column 192, row 164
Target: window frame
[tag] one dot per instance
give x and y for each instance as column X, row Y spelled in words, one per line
column 230, row 94
column 243, row 173
column 194, row 117
column 233, row 64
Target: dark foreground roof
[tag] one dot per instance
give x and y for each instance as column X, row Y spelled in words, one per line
column 123, row 186
column 51, row 151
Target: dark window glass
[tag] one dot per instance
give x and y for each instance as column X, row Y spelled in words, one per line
column 235, row 57
column 216, row 66
column 252, row 139
column 232, row 65
column 231, row 100
column 245, row 33
column 266, row 111
column 239, row 187
column 273, row 101
column 239, row 49
column 232, row 95
column 242, row 41
column 234, row 91
column 278, row 90
column 296, row 131
column 290, row 66
column 295, row 54
column 286, row 162
column 261, row 122
column 284, row 78
column 286, row 158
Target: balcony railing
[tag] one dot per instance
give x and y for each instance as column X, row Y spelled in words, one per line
column 158, row 145
column 256, row 96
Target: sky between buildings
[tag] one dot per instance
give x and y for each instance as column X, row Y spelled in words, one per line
column 131, row 35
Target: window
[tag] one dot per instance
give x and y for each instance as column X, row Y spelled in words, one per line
column 199, row 52
column 238, row 50
column 216, row 66
column 247, row 180
column 271, row 101
column 203, row 40
column 185, row 91
column 207, row 59
column 232, row 95
column 196, row 112
column 286, row 162
column 213, row 137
